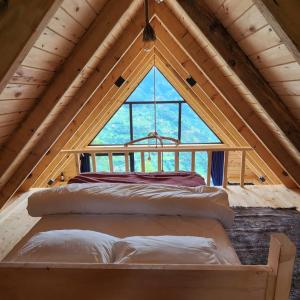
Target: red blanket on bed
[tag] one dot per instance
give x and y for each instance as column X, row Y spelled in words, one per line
column 174, row 178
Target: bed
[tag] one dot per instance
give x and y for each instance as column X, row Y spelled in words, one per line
column 182, row 178
column 123, row 210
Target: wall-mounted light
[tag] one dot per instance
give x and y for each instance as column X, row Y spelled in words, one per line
column 51, row 181
column 262, row 179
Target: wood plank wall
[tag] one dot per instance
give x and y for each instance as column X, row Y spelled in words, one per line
column 37, row 70
column 264, row 47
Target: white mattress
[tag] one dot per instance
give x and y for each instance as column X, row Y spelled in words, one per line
column 130, row 225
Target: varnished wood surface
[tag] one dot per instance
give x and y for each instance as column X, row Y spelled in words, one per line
column 114, row 281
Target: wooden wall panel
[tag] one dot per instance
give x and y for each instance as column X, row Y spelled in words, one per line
column 96, row 4
column 66, row 26
column 29, row 75
column 21, row 22
column 54, row 43
column 21, row 91
column 80, row 10
column 16, row 106
column 266, row 44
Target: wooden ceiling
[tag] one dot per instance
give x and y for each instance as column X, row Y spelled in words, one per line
column 57, row 83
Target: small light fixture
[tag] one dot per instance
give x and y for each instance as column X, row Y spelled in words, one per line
column 148, row 34
column 51, row 181
column 62, row 177
column 262, row 179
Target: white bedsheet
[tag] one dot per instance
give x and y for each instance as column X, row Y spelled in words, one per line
column 132, row 225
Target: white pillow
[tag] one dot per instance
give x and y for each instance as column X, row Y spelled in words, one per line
column 81, row 246
column 166, row 250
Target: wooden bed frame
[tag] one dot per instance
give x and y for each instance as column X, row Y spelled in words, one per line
column 37, row 281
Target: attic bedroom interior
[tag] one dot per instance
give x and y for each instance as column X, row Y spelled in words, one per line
column 149, row 149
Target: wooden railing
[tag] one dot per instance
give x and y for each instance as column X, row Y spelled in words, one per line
column 209, row 148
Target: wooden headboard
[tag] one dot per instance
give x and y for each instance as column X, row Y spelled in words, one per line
column 37, row 281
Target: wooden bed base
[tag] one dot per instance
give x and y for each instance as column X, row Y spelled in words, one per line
column 37, row 281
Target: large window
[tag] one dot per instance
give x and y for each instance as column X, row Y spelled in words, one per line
column 174, row 118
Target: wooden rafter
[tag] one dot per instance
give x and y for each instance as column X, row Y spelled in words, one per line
column 254, row 122
column 29, row 18
column 20, row 144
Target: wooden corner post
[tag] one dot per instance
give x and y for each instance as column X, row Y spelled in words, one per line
column 281, row 259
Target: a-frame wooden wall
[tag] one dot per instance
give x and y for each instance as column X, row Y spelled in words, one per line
column 193, row 34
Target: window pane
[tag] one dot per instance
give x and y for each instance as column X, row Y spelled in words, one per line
column 169, row 161
column 119, row 163
column 164, row 90
column 142, row 120
column 201, row 164
column 137, row 162
column 117, row 130
column 167, row 120
column 185, row 159
column 193, row 129
column 102, row 164
column 151, row 162
column 145, row 90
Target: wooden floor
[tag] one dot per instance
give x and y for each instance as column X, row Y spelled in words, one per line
column 15, row 221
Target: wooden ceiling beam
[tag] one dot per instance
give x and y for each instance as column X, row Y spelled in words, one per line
column 210, row 29
column 56, row 128
column 21, row 23
column 289, row 165
column 20, row 144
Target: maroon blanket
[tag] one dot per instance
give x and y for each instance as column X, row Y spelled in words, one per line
column 174, row 178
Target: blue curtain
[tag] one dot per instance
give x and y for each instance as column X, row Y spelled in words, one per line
column 217, row 164
column 85, row 165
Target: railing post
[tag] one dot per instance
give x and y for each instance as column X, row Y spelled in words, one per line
column 176, row 161
column 110, row 161
column 143, row 161
column 159, row 163
column 77, row 162
column 94, row 162
column 193, row 161
column 225, row 169
column 126, row 162
column 243, row 165
column 209, row 155
column 282, row 253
